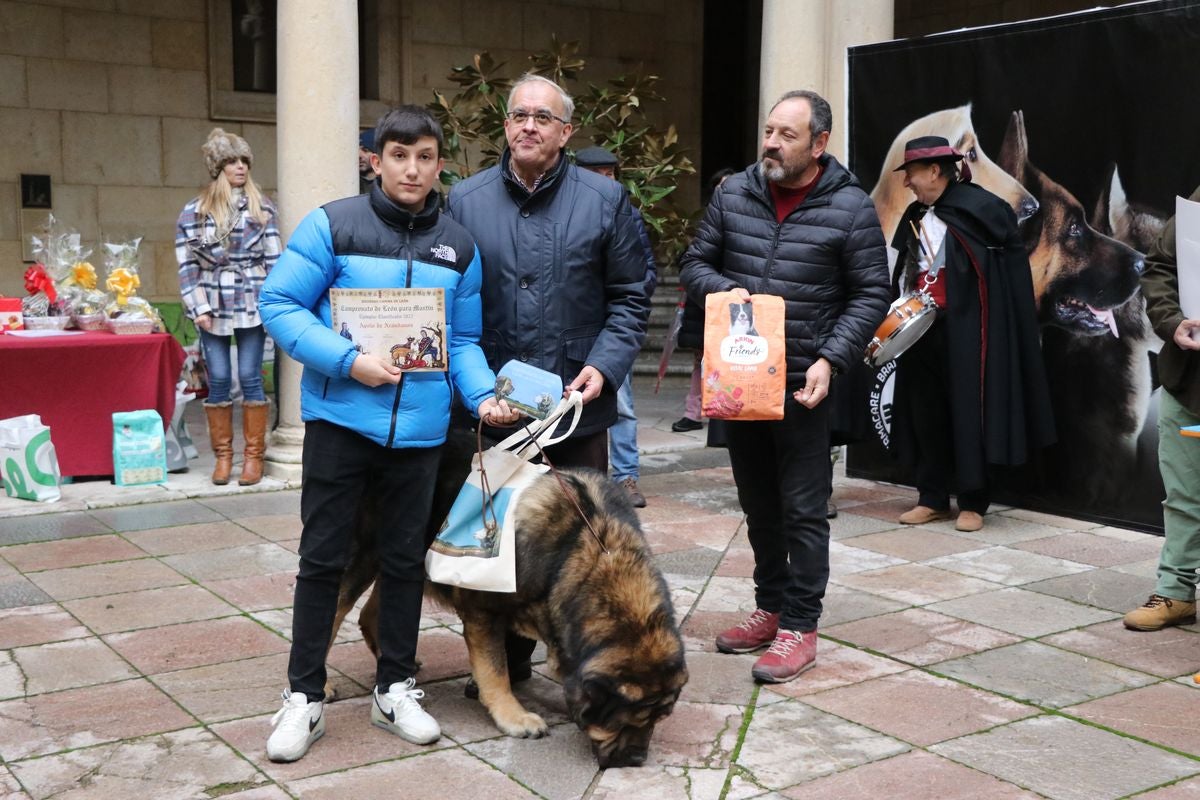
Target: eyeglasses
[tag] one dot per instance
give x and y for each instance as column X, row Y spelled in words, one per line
column 541, row 118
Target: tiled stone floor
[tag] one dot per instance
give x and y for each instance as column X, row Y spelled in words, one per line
column 142, row 650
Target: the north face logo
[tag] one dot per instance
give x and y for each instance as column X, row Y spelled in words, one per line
column 444, row 252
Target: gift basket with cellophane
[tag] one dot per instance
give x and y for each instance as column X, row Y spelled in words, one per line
column 125, row 311
column 49, row 296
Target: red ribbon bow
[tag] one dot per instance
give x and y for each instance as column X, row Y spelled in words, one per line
column 36, row 280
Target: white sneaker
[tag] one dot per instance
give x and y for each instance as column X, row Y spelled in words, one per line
column 297, row 725
column 398, row 712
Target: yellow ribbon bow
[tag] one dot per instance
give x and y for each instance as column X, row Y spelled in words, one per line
column 123, row 283
column 82, row 274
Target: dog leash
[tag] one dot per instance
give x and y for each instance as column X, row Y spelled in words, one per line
column 570, row 495
column 488, row 502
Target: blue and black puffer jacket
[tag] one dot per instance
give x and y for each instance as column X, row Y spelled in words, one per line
column 369, row 242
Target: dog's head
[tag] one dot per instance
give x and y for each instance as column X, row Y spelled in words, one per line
column 1079, row 274
column 890, row 195
column 634, row 671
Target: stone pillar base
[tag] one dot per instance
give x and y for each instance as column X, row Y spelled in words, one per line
column 283, row 459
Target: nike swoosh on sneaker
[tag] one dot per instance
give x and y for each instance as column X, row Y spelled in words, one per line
column 312, row 723
column 391, row 715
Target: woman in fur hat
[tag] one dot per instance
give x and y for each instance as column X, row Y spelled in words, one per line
column 226, row 242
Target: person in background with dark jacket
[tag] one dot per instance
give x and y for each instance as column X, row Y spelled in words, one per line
column 1174, row 599
column 370, row 428
column 622, row 436
column 796, row 225
column 366, row 172
column 972, row 390
column 564, row 275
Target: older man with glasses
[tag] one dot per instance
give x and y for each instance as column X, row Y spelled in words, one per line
column 563, row 272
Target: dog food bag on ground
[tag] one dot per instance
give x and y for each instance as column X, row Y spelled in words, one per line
column 139, row 448
column 745, row 369
column 28, row 463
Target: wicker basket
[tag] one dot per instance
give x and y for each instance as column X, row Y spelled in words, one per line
column 47, row 323
column 91, row 322
column 124, row 325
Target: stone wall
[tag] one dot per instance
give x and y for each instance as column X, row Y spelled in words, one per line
column 111, row 97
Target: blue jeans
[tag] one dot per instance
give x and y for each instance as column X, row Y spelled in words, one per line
column 622, row 436
column 250, row 343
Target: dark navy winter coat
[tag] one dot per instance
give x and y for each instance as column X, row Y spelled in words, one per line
column 564, row 271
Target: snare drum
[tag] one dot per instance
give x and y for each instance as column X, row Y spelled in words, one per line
column 906, row 321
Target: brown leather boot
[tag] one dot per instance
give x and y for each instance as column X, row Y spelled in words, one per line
column 254, row 430
column 220, row 432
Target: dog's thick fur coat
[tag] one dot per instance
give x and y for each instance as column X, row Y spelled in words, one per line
column 598, row 602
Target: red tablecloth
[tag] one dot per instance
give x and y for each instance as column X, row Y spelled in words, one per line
column 75, row 383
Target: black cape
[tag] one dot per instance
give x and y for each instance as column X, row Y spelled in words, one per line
column 999, row 397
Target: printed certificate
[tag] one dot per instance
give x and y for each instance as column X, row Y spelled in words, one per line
column 404, row 326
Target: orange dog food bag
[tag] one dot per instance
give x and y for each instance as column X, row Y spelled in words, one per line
column 745, row 369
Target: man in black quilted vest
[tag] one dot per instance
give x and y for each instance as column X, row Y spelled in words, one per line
column 796, row 225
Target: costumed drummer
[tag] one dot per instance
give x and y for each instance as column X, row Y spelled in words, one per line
column 971, row 392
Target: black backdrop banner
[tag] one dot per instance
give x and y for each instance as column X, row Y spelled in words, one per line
column 1089, row 126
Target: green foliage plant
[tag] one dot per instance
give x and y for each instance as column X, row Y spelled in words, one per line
column 612, row 116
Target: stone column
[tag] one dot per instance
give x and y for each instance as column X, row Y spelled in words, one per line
column 317, row 116
column 804, row 46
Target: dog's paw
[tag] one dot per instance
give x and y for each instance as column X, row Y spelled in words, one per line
column 523, row 725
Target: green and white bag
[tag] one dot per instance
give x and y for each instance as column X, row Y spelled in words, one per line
column 28, row 463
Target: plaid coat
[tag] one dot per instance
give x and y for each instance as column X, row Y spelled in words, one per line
column 224, row 277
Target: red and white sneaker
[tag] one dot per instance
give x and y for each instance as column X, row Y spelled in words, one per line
column 758, row 630
column 791, row 653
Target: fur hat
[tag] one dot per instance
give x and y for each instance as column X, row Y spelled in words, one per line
column 221, row 148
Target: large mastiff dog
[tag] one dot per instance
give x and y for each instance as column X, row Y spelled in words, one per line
column 597, row 601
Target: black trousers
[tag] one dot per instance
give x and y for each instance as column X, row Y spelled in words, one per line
column 783, row 479
column 341, row 468
column 927, row 379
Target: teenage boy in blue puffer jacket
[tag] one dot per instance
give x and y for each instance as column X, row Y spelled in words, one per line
column 369, row 428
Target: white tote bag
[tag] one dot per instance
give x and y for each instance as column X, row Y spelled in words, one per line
column 28, row 463
column 476, row 546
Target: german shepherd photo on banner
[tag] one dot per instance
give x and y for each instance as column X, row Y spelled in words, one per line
column 592, row 594
column 1091, row 174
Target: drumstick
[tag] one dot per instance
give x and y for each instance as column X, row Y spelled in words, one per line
column 913, row 225
column 928, row 243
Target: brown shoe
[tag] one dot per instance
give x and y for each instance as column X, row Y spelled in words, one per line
column 968, row 521
column 920, row 515
column 1159, row 612
column 635, row 495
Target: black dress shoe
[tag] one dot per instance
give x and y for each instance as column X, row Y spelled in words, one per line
column 516, row 674
column 683, row 425
column 831, row 511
